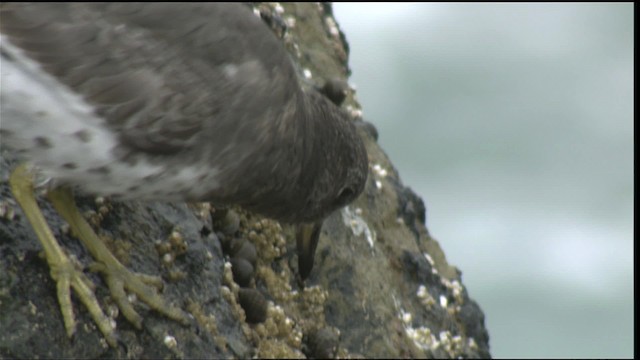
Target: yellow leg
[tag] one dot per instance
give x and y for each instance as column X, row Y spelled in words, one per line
column 63, row 271
column 117, row 277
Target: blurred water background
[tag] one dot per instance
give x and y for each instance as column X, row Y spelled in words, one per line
column 514, row 123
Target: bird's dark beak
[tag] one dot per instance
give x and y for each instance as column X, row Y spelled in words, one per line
column 307, row 236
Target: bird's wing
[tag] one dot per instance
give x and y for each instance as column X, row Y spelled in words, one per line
column 159, row 74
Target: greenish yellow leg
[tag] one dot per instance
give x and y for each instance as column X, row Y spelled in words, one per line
column 117, row 277
column 63, row 271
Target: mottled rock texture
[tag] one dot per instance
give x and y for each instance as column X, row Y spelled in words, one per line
column 381, row 285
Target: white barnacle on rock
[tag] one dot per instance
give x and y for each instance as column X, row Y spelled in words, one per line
column 429, row 259
column 277, row 310
column 379, row 170
column 358, row 225
column 170, row 342
column 425, row 298
column 278, row 8
column 290, row 21
column 354, row 112
column 167, row 258
column 307, row 73
column 381, row 173
column 332, row 26
column 132, row 298
column 455, row 286
column 456, row 344
column 421, row 336
column 445, row 340
column 406, row 317
column 443, row 301
column 471, row 343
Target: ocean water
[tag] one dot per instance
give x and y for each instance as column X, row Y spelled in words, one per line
column 514, row 123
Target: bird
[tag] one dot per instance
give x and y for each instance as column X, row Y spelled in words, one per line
column 186, row 102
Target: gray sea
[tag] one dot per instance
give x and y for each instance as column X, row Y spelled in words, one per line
column 514, row 123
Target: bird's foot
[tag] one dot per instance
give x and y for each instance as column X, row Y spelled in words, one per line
column 68, row 274
column 64, row 271
column 119, row 279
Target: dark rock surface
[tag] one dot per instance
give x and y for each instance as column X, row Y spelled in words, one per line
column 380, row 282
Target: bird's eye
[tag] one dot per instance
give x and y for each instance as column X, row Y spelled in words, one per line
column 344, row 195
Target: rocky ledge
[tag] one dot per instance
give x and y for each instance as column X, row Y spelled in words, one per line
column 380, row 287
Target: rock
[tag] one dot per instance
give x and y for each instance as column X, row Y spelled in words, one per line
column 379, row 277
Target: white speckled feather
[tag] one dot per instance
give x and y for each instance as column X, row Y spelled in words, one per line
column 61, row 134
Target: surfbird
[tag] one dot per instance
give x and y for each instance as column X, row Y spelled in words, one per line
column 171, row 102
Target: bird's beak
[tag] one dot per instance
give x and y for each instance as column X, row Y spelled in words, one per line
column 307, row 236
